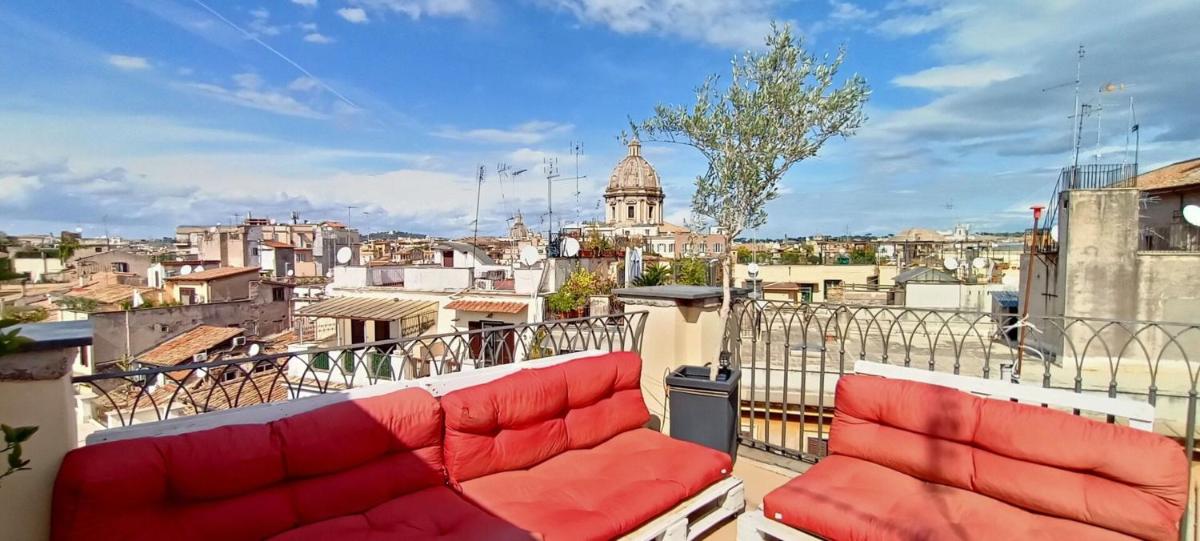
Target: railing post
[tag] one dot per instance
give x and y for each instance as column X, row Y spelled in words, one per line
column 36, row 390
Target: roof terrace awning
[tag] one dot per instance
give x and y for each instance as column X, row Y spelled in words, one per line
column 487, row 306
column 368, row 308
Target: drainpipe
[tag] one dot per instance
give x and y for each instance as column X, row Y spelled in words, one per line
column 1033, row 247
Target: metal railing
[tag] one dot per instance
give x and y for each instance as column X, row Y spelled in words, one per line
column 792, row 354
column 1181, row 237
column 1098, row 176
column 154, row 393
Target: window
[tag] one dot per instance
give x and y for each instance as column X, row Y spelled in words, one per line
column 254, row 251
column 187, row 295
column 650, row 212
column 381, row 365
column 320, row 361
column 629, row 212
column 99, row 249
column 120, row 266
column 717, row 248
column 278, row 294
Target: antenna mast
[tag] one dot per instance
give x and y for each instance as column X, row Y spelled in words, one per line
column 550, row 167
column 577, row 151
column 1078, row 127
column 475, row 236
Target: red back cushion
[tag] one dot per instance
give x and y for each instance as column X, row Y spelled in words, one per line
column 525, row 418
column 1043, row 460
column 252, row 481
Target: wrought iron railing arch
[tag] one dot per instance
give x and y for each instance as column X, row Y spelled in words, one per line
column 153, row 393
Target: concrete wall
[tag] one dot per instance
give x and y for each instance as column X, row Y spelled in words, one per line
column 436, row 278
column 138, row 264
column 1099, row 253
column 950, row 296
column 36, row 266
column 151, row 326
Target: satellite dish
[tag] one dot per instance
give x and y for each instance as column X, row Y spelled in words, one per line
column 529, row 255
column 272, row 222
column 255, row 349
column 343, row 255
column 752, row 268
column 570, row 247
column 951, row 263
column 329, row 274
column 291, row 272
column 1191, row 214
column 212, row 229
column 185, row 270
column 979, row 263
column 199, row 268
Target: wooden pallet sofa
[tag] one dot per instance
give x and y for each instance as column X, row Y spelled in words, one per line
column 554, row 452
column 914, row 460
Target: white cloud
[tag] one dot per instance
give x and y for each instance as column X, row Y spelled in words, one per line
column 354, row 15
column 318, row 38
column 725, row 23
column 260, row 23
column 848, row 12
column 306, row 3
column 528, row 133
column 304, row 84
column 308, row 27
column 128, row 63
column 250, row 91
column 956, row 76
column 16, row 190
column 415, row 9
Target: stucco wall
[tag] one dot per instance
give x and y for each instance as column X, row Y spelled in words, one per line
column 808, row 274
column 1099, row 255
column 36, row 266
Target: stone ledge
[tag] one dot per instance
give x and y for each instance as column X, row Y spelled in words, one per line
column 36, row 365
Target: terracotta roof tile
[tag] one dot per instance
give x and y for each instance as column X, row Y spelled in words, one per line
column 181, row 348
column 276, row 244
column 1184, row 173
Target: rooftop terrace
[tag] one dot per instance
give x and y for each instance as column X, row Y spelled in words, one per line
column 791, row 356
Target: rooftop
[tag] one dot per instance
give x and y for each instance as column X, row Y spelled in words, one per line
column 183, row 347
column 382, row 309
column 214, row 274
column 1176, row 175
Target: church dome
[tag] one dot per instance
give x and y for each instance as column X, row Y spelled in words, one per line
column 634, row 172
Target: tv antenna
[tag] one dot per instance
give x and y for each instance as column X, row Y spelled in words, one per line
column 1076, row 127
column 577, row 151
column 475, row 237
column 550, row 168
column 348, row 209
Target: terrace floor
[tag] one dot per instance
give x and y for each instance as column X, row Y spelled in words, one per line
column 761, row 472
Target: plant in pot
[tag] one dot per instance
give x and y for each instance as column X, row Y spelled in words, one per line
column 779, row 108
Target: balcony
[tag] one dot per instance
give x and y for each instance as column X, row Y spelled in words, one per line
column 792, row 356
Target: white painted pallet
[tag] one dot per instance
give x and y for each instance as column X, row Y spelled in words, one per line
column 1139, row 414
column 753, row 526
column 695, row 516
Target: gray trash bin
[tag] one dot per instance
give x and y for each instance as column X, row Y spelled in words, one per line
column 705, row 411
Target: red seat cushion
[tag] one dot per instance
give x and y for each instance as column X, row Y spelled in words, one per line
column 602, row 492
column 843, row 498
column 523, row 419
column 1042, row 462
column 432, row 513
column 248, row 482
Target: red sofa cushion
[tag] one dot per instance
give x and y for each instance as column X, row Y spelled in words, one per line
column 1036, row 459
column 602, row 492
column 252, row 481
column 429, row 514
column 525, row 418
column 848, row 498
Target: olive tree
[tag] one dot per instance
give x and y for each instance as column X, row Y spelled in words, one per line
column 780, row 106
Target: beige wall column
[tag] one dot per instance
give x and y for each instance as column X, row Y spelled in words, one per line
column 683, row 327
column 35, row 390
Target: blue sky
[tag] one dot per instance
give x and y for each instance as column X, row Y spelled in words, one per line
column 139, row 115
